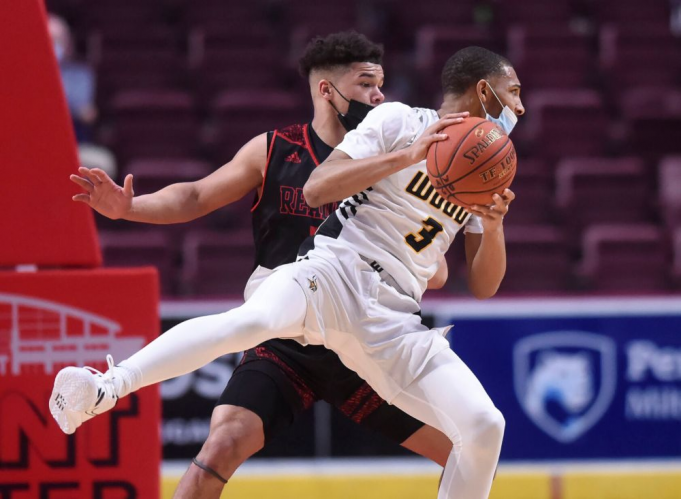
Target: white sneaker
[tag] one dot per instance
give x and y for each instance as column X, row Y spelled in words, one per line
column 81, row 393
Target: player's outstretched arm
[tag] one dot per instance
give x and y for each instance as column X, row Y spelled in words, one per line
column 342, row 176
column 486, row 252
column 181, row 202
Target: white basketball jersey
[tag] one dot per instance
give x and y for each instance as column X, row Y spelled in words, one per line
column 400, row 222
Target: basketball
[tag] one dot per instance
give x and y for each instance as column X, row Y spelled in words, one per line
column 477, row 161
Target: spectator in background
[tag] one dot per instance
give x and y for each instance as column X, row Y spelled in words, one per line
column 79, row 82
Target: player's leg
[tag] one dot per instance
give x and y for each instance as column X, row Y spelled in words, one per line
column 276, row 309
column 259, row 402
column 430, row 443
column 235, row 435
column 448, row 396
column 366, row 408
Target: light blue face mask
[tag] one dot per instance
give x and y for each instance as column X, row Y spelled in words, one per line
column 506, row 120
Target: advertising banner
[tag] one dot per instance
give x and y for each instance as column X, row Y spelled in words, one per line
column 52, row 319
column 579, row 382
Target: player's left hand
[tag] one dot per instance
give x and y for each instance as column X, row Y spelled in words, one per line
column 492, row 215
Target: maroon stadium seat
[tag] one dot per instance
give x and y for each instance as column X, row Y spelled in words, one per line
column 141, row 247
column 155, row 124
column 436, row 44
column 321, row 17
column 225, row 15
column 550, row 56
column 238, row 116
column 628, row 13
column 122, row 14
column 535, row 12
column 533, row 187
column 560, row 123
column 651, row 101
column 629, row 257
column 653, row 136
column 136, row 59
column 537, row 259
column 676, row 267
column 226, row 60
column 152, row 174
column 639, row 56
column 601, row 190
column 217, row 263
column 436, row 13
column 669, row 181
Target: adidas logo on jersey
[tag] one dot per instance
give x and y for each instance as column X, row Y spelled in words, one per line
column 421, row 187
column 293, row 158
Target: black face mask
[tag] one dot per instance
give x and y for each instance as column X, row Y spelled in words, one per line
column 357, row 111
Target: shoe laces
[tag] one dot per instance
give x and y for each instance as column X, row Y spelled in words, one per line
column 108, row 375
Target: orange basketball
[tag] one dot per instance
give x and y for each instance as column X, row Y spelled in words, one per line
column 477, row 161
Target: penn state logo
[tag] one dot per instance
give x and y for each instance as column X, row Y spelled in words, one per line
column 565, row 381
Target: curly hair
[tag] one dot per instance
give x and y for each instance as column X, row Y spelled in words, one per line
column 339, row 49
column 470, row 65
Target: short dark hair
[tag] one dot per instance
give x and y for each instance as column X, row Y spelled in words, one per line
column 470, row 65
column 339, row 49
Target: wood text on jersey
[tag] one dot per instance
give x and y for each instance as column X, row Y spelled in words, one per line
column 421, row 187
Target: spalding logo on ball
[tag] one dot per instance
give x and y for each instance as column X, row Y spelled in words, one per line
column 476, row 162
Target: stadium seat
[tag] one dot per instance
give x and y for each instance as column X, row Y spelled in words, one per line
column 440, row 14
column 223, row 60
column 652, row 136
column 321, row 17
column 537, row 259
column 624, row 257
column 533, row 12
column 155, row 124
column 141, row 247
column 550, row 57
column 436, row 44
column 561, row 123
column 639, row 56
column 238, row 116
column 533, row 187
column 121, row 14
column 631, row 13
column 221, row 14
column 676, row 267
column 136, row 59
column 217, row 263
column 651, row 101
column 601, row 190
column 669, row 181
column 152, row 174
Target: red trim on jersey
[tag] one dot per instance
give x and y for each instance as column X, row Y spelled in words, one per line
column 308, row 145
column 293, row 134
column 361, row 403
column 267, row 167
column 305, row 392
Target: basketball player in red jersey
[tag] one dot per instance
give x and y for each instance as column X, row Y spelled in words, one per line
column 279, row 379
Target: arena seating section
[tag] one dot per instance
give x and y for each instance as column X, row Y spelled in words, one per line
column 184, row 83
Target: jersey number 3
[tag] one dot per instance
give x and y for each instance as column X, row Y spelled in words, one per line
column 425, row 236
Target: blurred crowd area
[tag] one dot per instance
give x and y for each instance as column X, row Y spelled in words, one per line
column 177, row 86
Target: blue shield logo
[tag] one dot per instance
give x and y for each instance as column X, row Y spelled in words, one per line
column 565, row 380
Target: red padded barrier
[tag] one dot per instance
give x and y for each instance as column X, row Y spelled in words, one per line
column 39, row 223
column 50, row 319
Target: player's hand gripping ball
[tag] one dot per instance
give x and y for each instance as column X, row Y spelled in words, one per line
column 476, row 162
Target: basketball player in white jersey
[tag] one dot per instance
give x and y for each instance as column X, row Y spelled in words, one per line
column 358, row 286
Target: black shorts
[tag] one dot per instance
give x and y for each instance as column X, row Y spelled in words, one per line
column 280, row 379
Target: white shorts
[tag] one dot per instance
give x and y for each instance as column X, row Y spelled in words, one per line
column 372, row 327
